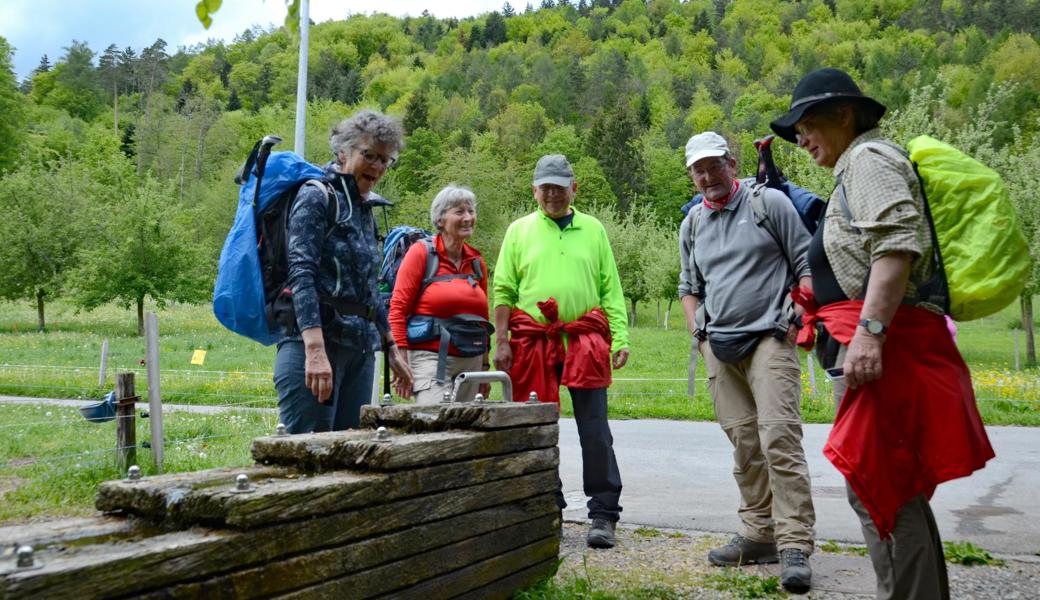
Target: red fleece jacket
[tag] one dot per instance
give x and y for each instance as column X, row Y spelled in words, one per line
column 912, row 429
column 538, row 352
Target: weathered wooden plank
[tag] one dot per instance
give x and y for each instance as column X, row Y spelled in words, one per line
column 152, row 495
column 477, row 574
column 79, row 530
column 508, row 586
column 182, row 503
column 336, row 450
column 523, row 544
column 441, row 417
column 299, row 571
column 100, row 570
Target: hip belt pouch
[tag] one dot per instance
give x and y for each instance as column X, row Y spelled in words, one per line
column 470, row 334
column 423, row 328
column 733, row 347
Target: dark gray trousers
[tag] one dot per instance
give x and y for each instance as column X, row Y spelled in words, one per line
column 600, row 475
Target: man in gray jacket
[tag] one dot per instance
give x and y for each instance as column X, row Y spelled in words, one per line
column 741, row 250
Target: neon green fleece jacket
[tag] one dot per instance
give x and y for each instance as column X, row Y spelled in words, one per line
column 576, row 266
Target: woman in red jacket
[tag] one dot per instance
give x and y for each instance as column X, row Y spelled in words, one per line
column 439, row 310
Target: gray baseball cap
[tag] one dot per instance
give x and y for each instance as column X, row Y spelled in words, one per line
column 554, row 169
column 704, row 145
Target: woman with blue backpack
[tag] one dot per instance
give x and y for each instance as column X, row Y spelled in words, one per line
column 325, row 363
column 439, row 307
column 906, row 418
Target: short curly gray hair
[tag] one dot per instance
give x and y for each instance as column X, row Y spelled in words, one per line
column 376, row 126
column 451, row 196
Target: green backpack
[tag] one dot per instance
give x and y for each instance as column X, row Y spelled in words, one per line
column 981, row 248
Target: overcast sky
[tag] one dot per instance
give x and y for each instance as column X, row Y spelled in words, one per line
column 38, row 27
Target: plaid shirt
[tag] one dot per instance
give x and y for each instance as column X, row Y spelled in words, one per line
column 884, row 197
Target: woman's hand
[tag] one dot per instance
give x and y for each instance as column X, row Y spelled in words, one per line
column 318, row 373
column 863, row 358
column 402, row 372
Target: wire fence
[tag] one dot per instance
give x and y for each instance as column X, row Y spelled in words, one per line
column 242, row 405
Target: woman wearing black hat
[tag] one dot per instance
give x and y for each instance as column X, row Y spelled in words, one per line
column 906, row 419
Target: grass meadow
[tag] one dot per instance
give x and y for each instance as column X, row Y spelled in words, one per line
column 51, row 459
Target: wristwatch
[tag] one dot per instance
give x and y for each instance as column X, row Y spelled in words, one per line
column 873, row 326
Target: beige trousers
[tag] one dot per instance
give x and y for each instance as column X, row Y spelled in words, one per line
column 910, row 564
column 424, row 371
column 758, row 404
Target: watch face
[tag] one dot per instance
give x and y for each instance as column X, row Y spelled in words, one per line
column 875, row 327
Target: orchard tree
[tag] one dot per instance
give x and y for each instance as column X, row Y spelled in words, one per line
column 146, row 251
column 39, row 236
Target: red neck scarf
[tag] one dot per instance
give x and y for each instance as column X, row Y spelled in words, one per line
column 720, row 204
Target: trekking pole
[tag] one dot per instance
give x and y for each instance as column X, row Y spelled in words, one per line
column 261, row 162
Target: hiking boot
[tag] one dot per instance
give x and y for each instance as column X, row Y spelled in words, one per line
column 742, row 551
column 601, row 534
column 795, row 573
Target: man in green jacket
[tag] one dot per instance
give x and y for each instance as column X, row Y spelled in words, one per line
column 560, row 253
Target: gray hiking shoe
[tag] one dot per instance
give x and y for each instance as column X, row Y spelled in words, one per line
column 795, row 573
column 601, row 534
column 742, row 551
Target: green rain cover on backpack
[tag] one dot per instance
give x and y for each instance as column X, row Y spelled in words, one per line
column 983, row 248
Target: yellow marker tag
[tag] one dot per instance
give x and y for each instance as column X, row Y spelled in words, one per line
column 198, row 357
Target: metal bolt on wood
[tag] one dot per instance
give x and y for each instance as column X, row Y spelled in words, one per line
column 280, row 430
column 479, row 398
column 242, row 485
column 133, row 474
column 533, row 398
column 25, row 557
column 387, row 400
column 382, row 435
column 447, row 398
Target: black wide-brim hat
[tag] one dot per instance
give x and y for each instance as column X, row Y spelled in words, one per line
column 818, row 87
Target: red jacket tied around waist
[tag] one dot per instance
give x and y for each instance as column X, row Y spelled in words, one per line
column 912, row 429
column 538, row 352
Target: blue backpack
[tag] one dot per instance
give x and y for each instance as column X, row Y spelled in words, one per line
column 250, row 295
column 808, row 205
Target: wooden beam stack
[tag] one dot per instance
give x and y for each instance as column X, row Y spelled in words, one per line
column 458, row 502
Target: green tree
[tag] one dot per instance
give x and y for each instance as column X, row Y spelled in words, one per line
column 146, row 251
column 12, row 106
column 612, row 140
column 39, row 235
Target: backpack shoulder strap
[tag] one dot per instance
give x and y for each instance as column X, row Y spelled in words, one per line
column 331, row 205
column 433, row 262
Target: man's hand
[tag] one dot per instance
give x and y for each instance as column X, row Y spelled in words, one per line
column 793, row 328
column 620, row 358
column 503, row 356
column 863, row 358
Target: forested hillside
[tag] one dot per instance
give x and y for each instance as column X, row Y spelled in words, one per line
column 117, row 162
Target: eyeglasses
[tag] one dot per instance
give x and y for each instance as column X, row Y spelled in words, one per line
column 373, row 158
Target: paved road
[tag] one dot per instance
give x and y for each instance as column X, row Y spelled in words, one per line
column 678, row 474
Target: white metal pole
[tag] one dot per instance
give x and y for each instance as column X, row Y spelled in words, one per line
column 104, row 364
column 155, row 414
column 812, row 374
column 301, row 77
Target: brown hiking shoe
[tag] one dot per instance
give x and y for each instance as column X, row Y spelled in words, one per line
column 795, row 573
column 742, row 551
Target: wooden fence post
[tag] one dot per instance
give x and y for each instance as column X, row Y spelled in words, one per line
column 126, row 428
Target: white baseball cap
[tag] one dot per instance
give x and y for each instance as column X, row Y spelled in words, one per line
column 705, row 145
